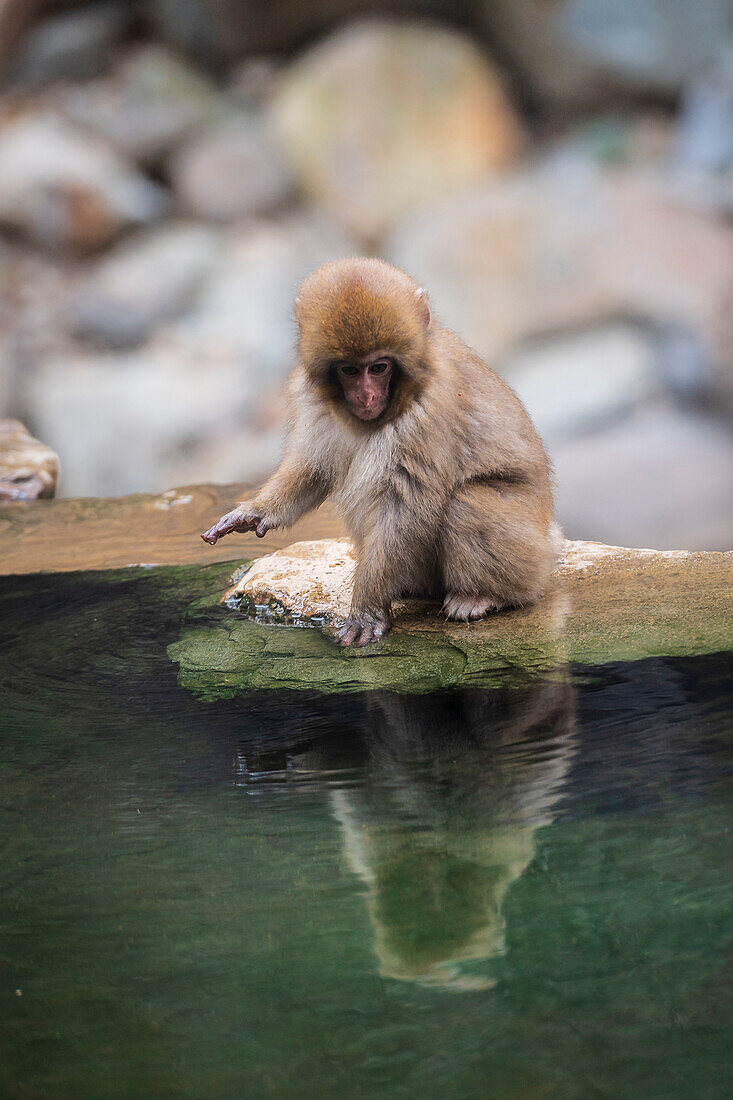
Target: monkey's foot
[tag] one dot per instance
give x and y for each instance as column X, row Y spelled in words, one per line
column 467, row 608
column 362, row 630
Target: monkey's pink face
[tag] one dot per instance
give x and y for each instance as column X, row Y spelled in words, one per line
column 366, row 386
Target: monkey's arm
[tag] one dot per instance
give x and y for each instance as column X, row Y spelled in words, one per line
column 294, row 489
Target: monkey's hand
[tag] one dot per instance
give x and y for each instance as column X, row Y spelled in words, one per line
column 363, row 629
column 241, row 519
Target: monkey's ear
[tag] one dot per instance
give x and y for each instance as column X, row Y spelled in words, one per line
column 296, row 309
column 423, row 305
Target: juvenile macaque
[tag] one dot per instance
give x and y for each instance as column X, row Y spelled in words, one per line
column 430, row 456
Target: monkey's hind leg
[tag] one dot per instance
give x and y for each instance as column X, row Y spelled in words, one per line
column 496, row 549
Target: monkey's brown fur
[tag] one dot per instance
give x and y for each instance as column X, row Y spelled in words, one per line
column 447, row 493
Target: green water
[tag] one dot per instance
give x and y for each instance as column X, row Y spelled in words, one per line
column 514, row 893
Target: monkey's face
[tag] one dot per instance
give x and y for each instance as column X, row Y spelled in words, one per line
column 366, row 385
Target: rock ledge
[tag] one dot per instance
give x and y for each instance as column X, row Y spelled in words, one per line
column 309, row 583
column 605, row 604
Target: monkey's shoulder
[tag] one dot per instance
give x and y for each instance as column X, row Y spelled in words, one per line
column 465, row 361
column 490, row 421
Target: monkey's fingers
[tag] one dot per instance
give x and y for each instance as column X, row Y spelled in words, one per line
column 223, row 527
column 232, row 521
column 347, row 635
column 361, row 632
column 370, row 634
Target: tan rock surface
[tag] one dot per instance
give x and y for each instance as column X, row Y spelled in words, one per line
column 142, row 529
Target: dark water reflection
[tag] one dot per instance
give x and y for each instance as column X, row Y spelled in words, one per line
column 439, row 815
column 515, row 893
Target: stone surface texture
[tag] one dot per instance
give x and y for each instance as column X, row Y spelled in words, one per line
column 306, row 581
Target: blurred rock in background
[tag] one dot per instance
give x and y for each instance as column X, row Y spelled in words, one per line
column 567, row 244
column 383, row 116
column 217, row 32
column 235, row 170
column 66, row 190
column 149, row 103
column 73, row 45
column 147, row 279
column 585, row 53
column 558, row 174
column 28, row 469
column 202, row 398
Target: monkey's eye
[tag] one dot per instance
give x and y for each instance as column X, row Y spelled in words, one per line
column 347, row 368
column 380, row 366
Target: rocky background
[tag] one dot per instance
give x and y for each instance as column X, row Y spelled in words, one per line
column 558, row 174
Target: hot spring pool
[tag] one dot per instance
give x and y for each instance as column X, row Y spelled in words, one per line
column 515, row 892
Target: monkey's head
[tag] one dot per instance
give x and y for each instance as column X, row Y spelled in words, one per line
column 363, row 337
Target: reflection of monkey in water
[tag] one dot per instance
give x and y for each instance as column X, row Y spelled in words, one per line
column 432, row 459
column 444, row 822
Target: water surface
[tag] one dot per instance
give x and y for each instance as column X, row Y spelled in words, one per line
column 522, row 892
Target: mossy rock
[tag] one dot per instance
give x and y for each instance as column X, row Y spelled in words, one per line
column 606, row 604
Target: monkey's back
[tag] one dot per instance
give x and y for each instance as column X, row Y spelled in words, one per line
column 495, row 433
